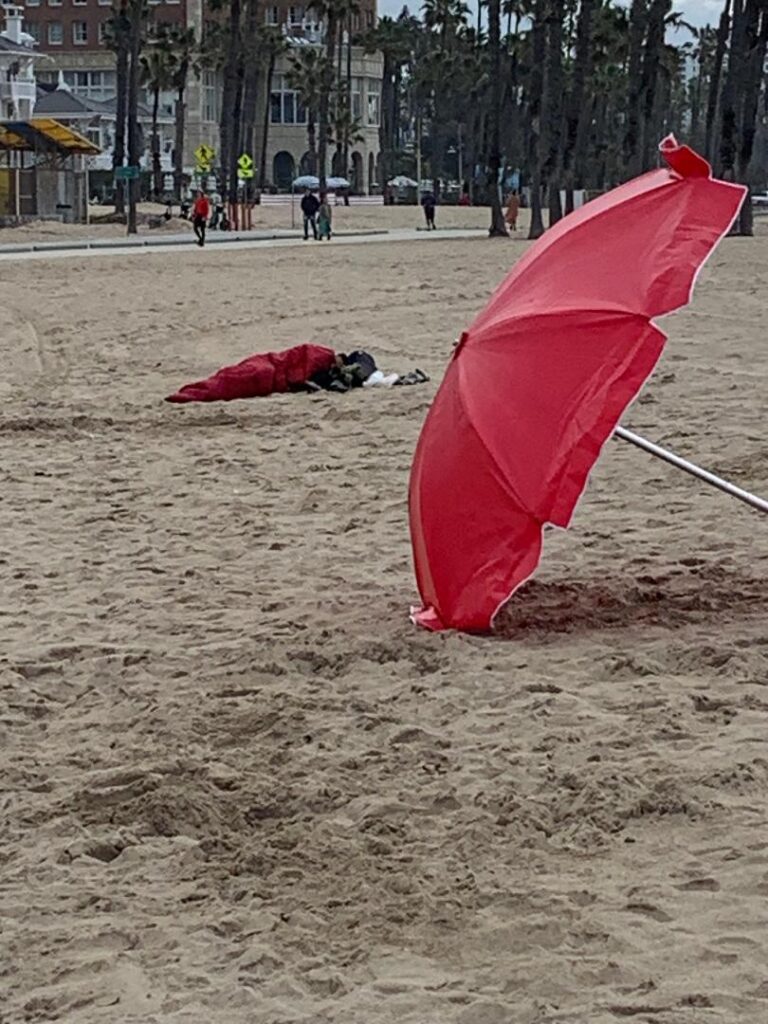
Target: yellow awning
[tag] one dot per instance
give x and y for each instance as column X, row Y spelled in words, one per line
column 26, row 135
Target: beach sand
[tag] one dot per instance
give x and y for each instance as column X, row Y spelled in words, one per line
column 239, row 787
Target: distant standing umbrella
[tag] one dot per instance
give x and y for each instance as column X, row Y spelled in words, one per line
column 402, row 181
column 306, row 181
column 539, row 381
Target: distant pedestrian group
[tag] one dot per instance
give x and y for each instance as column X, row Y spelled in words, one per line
column 317, row 216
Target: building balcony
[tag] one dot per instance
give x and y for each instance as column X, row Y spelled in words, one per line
column 18, row 89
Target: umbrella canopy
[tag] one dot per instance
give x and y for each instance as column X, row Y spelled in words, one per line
column 402, row 181
column 313, row 182
column 539, row 381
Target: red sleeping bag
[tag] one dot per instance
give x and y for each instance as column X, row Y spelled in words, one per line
column 266, row 373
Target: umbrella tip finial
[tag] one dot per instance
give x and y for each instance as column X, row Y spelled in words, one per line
column 683, row 160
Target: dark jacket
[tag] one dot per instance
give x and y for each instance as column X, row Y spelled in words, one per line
column 310, row 204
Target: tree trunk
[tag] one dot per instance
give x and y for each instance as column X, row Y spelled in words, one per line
column 553, row 106
column 325, row 100
column 757, row 41
column 345, row 148
column 637, row 22
column 134, row 155
column 576, row 105
column 723, row 30
column 732, row 93
column 251, row 74
column 652, row 60
column 178, row 154
column 267, row 116
column 157, row 169
column 229, row 123
column 312, row 141
column 498, row 228
column 121, row 112
column 535, row 87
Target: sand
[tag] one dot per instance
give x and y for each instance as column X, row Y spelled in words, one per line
column 239, row 787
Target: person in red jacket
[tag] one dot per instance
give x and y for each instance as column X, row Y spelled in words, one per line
column 201, row 211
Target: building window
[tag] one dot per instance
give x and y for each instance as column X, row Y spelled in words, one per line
column 285, row 105
column 369, row 19
column 295, row 15
column 95, row 85
column 374, row 101
column 55, row 33
column 54, row 3
column 32, row 3
column 79, row 3
column 272, row 15
column 33, row 29
column 357, row 99
column 105, row 3
column 80, row 33
column 210, row 97
column 102, row 33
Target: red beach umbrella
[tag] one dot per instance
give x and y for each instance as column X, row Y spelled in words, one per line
column 541, row 378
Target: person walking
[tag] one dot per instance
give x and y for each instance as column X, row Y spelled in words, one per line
column 513, row 208
column 310, row 204
column 324, row 218
column 428, row 204
column 201, row 211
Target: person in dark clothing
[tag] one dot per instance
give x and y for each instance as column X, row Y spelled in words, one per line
column 428, row 203
column 310, row 204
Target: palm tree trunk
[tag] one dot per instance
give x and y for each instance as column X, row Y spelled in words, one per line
column 732, row 92
column 178, row 152
column 121, row 111
column 553, row 107
column 498, row 228
column 652, row 60
column 134, row 155
column 575, row 117
column 637, row 23
column 535, row 89
column 228, row 123
column 325, row 99
column 757, row 41
column 157, row 170
column 723, row 30
column 267, row 116
column 345, row 147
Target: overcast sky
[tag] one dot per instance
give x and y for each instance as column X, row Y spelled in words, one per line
column 698, row 12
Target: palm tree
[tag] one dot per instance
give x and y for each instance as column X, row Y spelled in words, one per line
column 713, row 99
column 306, row 75
column 553, row 106
column 117, row 38
column 329, row 13
column 535, row 90
column 136, row 13
column 498, row 228
column 271, row 46
column 185, row 52
column 575, row 118
column 252, row 70
column 157, row 75
column 391, row 39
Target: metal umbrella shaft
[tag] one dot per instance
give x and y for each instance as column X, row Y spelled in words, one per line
column 689, row 467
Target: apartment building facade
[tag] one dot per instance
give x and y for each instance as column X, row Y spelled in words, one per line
column 70, row 37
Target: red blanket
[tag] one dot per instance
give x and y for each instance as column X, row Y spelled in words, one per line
column 266, row 373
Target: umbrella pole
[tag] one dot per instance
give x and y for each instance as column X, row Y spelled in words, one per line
column 694, row 470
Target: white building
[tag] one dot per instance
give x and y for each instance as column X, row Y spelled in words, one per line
column 18, row 90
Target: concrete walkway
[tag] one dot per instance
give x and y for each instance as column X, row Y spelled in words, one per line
column 218, row 241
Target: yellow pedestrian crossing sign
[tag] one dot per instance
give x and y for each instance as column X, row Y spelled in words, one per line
column 204, row 156
column 245, row 167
